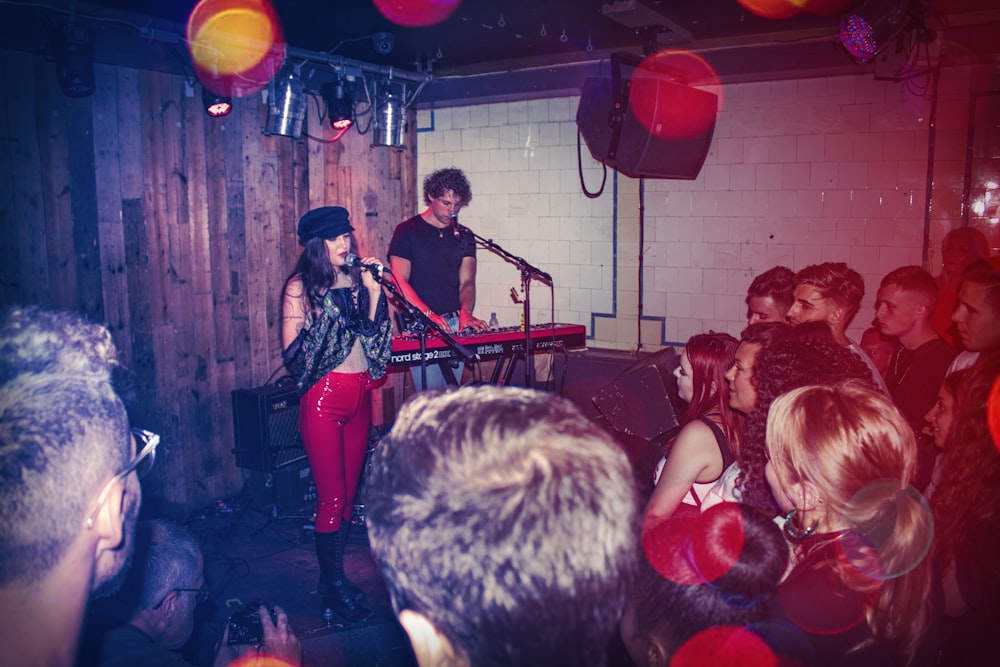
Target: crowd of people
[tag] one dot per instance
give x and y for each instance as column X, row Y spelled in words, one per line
column 822, row 503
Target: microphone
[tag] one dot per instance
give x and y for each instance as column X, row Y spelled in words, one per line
column 454, row 224
column 353, row 260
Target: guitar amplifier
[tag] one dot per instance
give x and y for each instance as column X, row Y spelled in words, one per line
column 288, row 491
column 266, row 427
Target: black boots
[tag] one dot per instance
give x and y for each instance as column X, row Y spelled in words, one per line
column 340, row 596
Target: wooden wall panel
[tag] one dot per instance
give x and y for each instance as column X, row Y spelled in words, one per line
column 177, row 231
column 24, row 269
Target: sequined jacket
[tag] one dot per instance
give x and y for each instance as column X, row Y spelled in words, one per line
column 326, row 342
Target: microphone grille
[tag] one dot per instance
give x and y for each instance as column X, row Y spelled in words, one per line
column 351, row 259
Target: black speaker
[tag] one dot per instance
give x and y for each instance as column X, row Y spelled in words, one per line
column 616, row 137
column 266, row 427
column 288, row 490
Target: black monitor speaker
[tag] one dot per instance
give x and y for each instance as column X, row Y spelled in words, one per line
column 266, row 427
column 666, row 136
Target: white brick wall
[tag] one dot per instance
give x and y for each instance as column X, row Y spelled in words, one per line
column 799, row 172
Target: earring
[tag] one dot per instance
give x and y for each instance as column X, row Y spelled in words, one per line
column 797, row 534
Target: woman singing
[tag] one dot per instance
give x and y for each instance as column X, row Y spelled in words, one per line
column 337, row 339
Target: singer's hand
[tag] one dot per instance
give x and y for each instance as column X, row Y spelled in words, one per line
column 370, row 281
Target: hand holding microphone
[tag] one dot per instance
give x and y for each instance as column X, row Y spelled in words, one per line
column 371, row 266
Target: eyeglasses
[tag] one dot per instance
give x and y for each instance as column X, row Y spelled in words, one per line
column 141, row 464
column 202, row 595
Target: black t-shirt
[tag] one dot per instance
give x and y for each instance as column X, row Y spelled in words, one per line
column 435, row 257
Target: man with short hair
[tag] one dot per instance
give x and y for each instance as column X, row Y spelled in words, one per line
column 904, row 309
column 977, row 314
column 69, row 492
column 831, row 292
column 490, row 509
column 164, row 586
column 770, row 296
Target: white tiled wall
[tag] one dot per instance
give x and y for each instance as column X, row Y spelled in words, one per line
column 799, row 172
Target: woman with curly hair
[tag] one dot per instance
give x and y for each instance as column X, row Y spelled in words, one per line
column 791, row 363
column 703, row 449
column 966, row 504
column 841, row 462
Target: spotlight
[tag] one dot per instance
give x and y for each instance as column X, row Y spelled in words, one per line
column 215, row 105
column 286, row 104
column 867, row 31
column 389, row 121
column 74, row 56
column 338, row 106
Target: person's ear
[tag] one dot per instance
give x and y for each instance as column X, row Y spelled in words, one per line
column 657, row 653
column 108, row 519
column 838, row 314
column 430, row 647
column 806, row 494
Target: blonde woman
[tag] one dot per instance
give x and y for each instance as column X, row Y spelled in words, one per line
column 840, row 462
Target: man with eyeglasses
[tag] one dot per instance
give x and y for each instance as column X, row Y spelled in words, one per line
column 69, row 492
column 163, row 588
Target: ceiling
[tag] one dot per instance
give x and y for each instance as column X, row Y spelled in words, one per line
column 488, row 39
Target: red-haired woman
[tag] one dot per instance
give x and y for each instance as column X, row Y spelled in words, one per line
column 705, row 446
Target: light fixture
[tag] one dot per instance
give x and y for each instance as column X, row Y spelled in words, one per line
column 339, row 107
column 216, row 105
column 389, row 120
column 74, row 55
column 867, row 31
column 286, row 104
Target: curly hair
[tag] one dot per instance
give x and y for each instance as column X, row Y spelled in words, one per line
column 792, row 363
column 710, row 356
column 966, row 497
column 764, row 334
column 442, row 180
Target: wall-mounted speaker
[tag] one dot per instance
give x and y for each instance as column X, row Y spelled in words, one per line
column 666, row 135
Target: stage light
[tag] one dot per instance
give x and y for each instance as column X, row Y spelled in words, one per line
column 389, row 121
column 74, row 55
column 286, row 104
column 339, row 107
column 866, row 32
column 215, row 105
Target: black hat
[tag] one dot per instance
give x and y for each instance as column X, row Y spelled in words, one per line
column 325, row 222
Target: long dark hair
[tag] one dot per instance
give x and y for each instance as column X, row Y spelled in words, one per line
column 318, row 274
column 711, row 355
column 966, row 497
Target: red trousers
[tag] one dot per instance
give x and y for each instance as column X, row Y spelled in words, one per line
column 335, row 417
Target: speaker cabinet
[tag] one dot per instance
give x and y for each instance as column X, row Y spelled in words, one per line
column 681, row 120
column 266, row 427
column 288, row 490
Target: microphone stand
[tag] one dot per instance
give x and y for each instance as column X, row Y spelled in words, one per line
column 527, row 272
column 421, row 324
